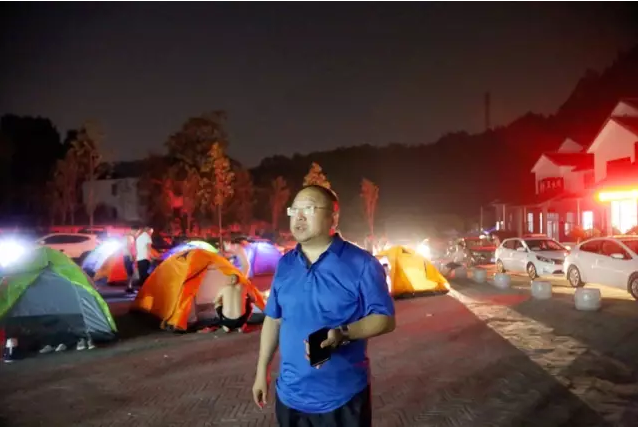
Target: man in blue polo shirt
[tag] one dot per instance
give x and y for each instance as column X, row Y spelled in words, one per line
column 324, row 282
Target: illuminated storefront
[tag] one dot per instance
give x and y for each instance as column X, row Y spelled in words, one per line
column 622, row 208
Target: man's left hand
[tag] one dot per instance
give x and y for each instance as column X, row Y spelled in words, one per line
column 334, row 340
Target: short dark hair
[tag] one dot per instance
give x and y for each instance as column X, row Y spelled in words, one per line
column 328, row 194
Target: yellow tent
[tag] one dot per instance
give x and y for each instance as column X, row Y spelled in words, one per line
column 410, row 273
column 175, row 285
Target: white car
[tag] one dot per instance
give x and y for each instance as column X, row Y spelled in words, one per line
column 610, row 261
column 536, row 256
column 75, row 245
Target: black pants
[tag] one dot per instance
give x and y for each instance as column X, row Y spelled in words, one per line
column 357, row 412
column 129, row 266
column 142, row 269
column 235, row 323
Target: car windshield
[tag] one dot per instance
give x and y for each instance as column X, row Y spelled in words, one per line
column 631, row 244
column 544, row 245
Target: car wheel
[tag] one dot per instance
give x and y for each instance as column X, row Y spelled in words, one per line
column 632, row 286
column 573, row 277
column 500, row 268
column 531, row 271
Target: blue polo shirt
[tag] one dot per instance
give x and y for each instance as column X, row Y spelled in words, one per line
column 344, row 285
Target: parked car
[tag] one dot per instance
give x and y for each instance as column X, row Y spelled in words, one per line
column 481, row 250
column 610, row 261
column 536, row 256
column 75, row 245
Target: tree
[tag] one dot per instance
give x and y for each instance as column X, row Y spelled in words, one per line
column 218, row 186
column 190, row 194
column 155, row 191
column 370, row 196
column 54, row 201
column 316, row 176
column 30, row 147
column 243, row 199
column 88, row 145
column 279, row 195
column 66, row 176
column 191, row 145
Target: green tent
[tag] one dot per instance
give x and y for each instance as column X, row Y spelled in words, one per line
column 47, row 299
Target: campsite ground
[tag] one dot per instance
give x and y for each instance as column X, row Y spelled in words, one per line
column 475, row 357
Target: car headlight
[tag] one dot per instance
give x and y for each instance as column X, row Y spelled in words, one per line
column 11, row 252
column 109, row 247
column 424, row 251
column 543, row 259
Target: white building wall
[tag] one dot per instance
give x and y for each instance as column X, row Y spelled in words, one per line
column 119, row 194
column 612, row 143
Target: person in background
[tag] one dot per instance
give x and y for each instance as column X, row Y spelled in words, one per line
column 325, row 282
column 236, row 253
column 129, row 258
column 233, row 305
column 143, row 247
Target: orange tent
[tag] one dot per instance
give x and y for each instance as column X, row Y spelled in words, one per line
column 410, row 273
column 113, row 269
column 174, row 286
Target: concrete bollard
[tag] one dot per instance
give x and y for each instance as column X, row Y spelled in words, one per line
column 479, row 275
column 460, row 273
column 502, row 280
column 587, row 299
column 541, row 289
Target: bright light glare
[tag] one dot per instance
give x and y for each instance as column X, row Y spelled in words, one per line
column 607, row 196
column 10, row 252
column 424, row 250
column 266, row 293
column 109, row 247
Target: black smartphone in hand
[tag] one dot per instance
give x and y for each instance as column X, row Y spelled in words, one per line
column 317, row 354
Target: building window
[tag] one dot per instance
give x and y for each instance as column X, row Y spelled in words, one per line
column 624, row 214
column 569, row 222
column 114, row 189
column 588, row 220
column 552, row 225
column 530, row 222
column 540, row 222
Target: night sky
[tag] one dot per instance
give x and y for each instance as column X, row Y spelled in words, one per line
column 298, row 77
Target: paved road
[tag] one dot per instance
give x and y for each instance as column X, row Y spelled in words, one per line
column 476, row 357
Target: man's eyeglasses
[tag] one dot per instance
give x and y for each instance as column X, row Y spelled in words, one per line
column 306, row 210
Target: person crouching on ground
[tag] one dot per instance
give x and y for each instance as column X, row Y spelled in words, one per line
column 234, row 305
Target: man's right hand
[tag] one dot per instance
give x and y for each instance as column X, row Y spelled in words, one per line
column 260, row 390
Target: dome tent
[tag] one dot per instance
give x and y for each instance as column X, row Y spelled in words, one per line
column 48, row 297
column 175, row 286
column 410, row 274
